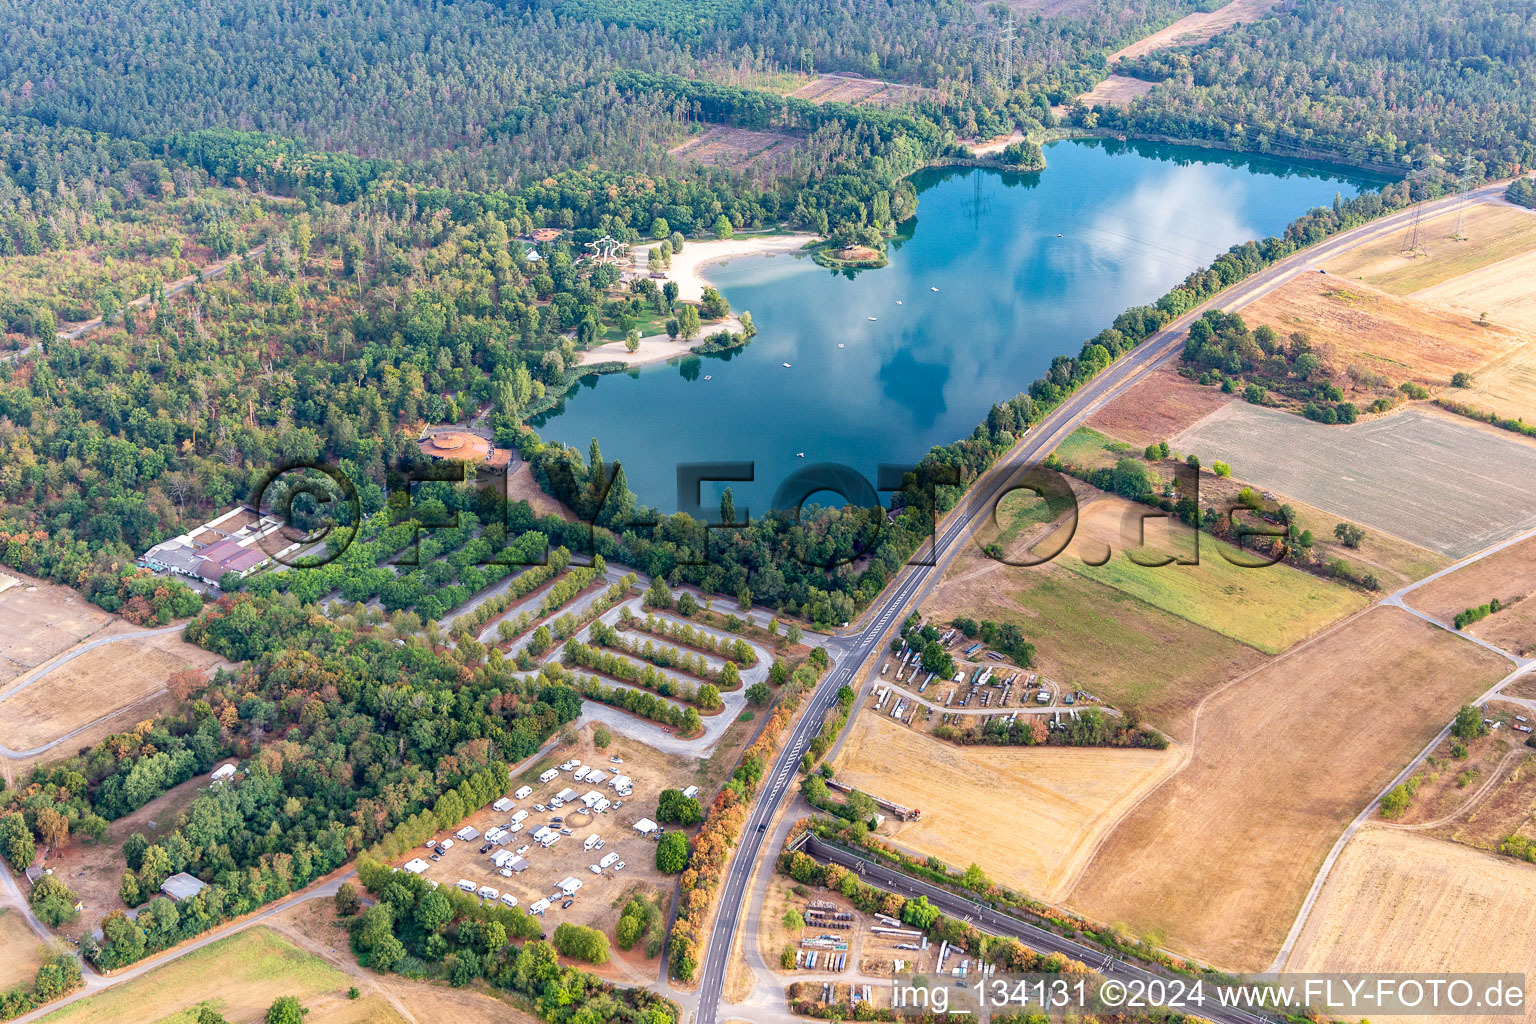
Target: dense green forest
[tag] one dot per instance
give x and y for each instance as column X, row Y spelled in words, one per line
column 1374, row 81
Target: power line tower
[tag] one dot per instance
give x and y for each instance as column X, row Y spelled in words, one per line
column 1464, row 186
column 1005, row 42
column 1411, row 244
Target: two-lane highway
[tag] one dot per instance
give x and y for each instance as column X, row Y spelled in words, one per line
column 914, row 581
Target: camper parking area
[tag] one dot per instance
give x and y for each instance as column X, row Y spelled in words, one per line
column 569, row 836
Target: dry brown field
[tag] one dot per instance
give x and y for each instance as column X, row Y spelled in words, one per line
column 1352, row 324
column 724, row 146
column 1157, row 407
column 1492, row 232
column 117, row 675
column 43, row 620
column 1028, row 815
column 1216, row 862
column 1197, row 28
column 1512, row 628
column 1506, row 388
column 861, row 91
column 1116, row 90
column 1449, row 787
column 1504, row 292
column 21, row 953
column 1096, row 637
column 1401, row 902
column 1507, row 575
column 1507, row 808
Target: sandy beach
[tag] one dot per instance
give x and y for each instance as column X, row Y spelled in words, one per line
column 655, row 348
column 688, row 270
column 688, row 266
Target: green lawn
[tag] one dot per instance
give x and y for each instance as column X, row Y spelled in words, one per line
column 1087, row 447
column 1269, row 608
column 647, row 323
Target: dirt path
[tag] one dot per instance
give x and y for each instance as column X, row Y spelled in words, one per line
column 1472, row 801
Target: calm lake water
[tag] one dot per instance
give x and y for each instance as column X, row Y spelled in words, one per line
column 1026, row 265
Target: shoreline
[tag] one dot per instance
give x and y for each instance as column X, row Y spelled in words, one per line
column 655, row 348
column 688, row 266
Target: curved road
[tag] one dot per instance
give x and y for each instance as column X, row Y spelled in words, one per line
column 914, row 581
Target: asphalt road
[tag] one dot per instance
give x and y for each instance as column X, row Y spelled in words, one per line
column 1038, row 939
column 979, row 501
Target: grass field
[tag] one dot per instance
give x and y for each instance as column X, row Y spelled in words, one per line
column 82, row 690
column 21, row 953
column 1387, row 474
column 1269, row 608
column 1506, row 575
column 1157, row 407
column 1493, row 232
column 1216, row 861
column 1508, row 808
column 239, row 977
column 1401, row 339
column 1400, row 902
column 720, row 145
column 1096, row 637
column 1028, row 816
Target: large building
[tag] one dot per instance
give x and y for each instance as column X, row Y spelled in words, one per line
column 239, row 541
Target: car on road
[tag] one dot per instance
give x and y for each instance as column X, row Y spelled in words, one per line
column 763, row 827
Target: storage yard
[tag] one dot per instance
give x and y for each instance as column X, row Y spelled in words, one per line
column 971, row 798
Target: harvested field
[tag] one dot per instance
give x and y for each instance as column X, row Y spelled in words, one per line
column 1218, row 860
column 1269, row 608
column 1197, row 28
column 21, row 953
column 1507, row 387
column 1506, row 575
column 1157, row 407
column 1401, row 339
column 1116, row 90
column 1401, row 902
column 724, row 146
column 1504, row 292
column 1069, row 795
column 42, row 620
column 1494, row 231
column 1096, row 637
column 239, row 977
column 1388, row 474
column 117, row 675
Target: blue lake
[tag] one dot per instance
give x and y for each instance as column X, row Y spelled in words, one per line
column 1026, row 266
